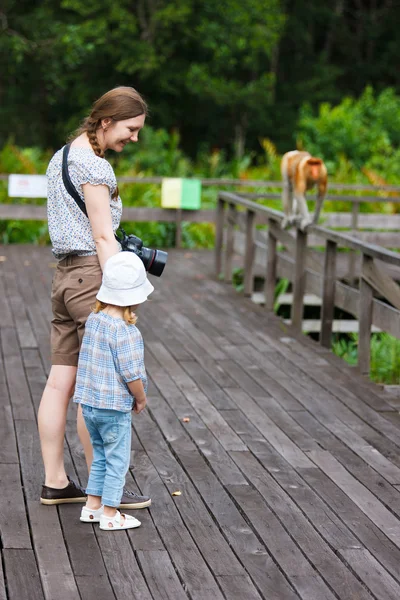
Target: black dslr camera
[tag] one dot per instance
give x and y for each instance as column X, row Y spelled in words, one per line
column 154, row 260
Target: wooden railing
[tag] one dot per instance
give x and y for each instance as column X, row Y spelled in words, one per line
column 254, row 231
column 375, row 228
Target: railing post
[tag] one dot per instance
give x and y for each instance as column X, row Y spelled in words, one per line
column 230, row 238
column 352, row 254
column 249, row 253
column 328, row 294
column 270, row 277
column 365, row 319
column 219, row 235
column 178, row 229
column 299, row 280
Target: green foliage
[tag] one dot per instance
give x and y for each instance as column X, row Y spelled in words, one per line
column 385, row 355
column 158, row 153
column 385, row 359
column 280, row 288
column 346, row 347
column 355, row 134
column 237, row 279
column 24, row 232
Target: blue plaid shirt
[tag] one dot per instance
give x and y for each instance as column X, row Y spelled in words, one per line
column 112, row 354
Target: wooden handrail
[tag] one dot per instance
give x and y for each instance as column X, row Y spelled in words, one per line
column 329, row 197
column 342, row 239
column 308, row 273
column 207, row 181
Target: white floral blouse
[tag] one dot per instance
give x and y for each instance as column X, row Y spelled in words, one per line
column 69, row 229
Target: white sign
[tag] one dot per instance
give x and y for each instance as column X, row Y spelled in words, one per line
column 27, row 186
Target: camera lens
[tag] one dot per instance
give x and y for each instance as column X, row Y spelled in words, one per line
column 154, row 260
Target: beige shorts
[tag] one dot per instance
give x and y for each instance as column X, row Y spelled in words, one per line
column 75, row 284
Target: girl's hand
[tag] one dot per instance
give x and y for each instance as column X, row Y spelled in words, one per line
column 139, row 405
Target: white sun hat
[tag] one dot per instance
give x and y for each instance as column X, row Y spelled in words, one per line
column 124, row 281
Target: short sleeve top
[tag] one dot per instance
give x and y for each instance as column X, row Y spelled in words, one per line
column 69, row 229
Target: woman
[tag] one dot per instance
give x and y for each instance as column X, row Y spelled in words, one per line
column 82, row 244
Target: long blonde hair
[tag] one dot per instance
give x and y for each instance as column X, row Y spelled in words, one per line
column 128, row 318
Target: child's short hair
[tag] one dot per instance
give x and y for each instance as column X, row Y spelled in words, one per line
column 128, row 318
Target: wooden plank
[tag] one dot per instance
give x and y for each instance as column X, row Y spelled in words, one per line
column 287, row 424
column 3, row 592
column 209, row 376
column 5, row 309
column 277, row 438
column 16, row 381
column 300, row 573
column 328, row 294
column 237, row 587
column 366, row 306
column 53, row 561
column 8, row 446
column 249, row 254
column 367, row 452
column 359, row 494
column 18, row 305
column 369, row 534
column 207, row 444
column 160, row 576
column 14, row 522
column 387, row 494
column 196, row 518
column 35, row 375
column 308, row 389
column 22, row 582
column 127, row 578
column 30, row 458
column 199, row 337
column 219, row 235
column 321, row 517
column 343, row 220
column 270, row 275
column 257, row 183
column 231, row 222
column 91, row 576
column 213, row 420
column 299, row 280
column 55, row 570
column 382, row 283
column 381, row 584
column 385, row 239
column 187, row 559
column 23, row 212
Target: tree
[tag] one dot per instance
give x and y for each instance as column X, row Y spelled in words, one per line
column 233, row 67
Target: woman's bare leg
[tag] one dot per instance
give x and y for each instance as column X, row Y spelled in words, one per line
column 52, row 418
column 84, row 437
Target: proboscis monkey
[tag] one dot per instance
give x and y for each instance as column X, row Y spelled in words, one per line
column 301, row 172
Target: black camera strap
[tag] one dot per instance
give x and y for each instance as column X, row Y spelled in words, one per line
column 69, row 186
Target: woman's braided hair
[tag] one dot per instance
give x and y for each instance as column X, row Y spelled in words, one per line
column 118, row 104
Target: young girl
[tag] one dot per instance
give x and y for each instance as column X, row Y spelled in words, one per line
column 111, row 380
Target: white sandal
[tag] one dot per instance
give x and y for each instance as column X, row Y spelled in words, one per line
column 119, row 521
column 88, row 515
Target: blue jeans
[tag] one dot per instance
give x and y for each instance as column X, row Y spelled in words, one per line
column 110, row 434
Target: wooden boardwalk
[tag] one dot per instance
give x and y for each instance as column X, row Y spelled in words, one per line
column 288, row 461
